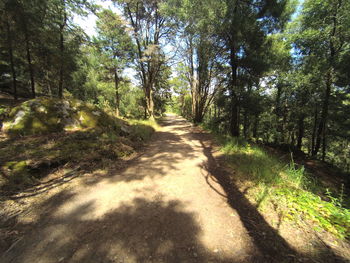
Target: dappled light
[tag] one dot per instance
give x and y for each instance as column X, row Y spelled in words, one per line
column 185, row 131
column 172, row 203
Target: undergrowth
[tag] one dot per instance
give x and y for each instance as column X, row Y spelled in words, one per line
column 144, row 128
column 25, row 160
column 296, row 195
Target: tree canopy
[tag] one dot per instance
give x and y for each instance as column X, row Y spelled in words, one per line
column 274, row 71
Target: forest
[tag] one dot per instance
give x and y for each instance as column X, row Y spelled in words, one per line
column 267, row 78
column 272, row 71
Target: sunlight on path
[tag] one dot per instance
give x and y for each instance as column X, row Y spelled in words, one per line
column 160, row 209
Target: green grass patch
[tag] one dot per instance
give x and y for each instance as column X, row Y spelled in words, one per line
column 296, row 194
column 144, row 128
column 97, row 139
column 27, row 159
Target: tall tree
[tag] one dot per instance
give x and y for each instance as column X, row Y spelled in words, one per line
column 245, row 24
column 323, row 31
column 115, row 46
column 7, row 22
column 200, row 50
column 150, row 27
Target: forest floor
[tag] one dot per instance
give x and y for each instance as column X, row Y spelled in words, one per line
column 174, row 202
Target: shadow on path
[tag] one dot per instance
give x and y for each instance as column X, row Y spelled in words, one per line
column 271, row 244
column 141, row 231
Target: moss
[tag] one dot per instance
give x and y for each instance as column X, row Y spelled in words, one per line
column 47, row 115
column 95, row 136
column 141, row 131
column 17, row 173
column 87, row 119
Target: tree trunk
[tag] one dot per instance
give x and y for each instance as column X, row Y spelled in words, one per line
column 314, row 130
column 29, row 61
column 283, row 125
column 149, row 101
column 324, row 115
column 301, row 130
column 332, row 51
column 234, row 122
column 61, row 47
column 199, row 114
column 279, row 124
column 182, row 101
column 324, row 146
column 117, row 99
column 60, row 81
column 10, row 51
column 256, row 125
column 245, row 124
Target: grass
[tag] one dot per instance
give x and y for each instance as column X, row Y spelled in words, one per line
column 25, row 160
column 144, row 128
column 296, row 195
column 43, row 134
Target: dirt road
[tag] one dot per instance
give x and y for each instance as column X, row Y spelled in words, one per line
column 172, row 204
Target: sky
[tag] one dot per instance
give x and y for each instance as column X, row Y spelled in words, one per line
column 88, row 23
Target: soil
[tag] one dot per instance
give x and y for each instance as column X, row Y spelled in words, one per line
column 176, row 202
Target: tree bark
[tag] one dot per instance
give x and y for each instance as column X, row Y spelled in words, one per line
column 61, row 48
column 314, row 130
column 321, row 133
column 245, row 124
column 301, row 130
column 29, row 61
column 234, row 121
column 12, row 65
column 324, row 115
column 149, row 101
column 324, row 145
column 256, row 125
column 278, row 115
column 117, row 99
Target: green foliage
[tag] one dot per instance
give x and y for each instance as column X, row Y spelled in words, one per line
column 303, row 204
column 26, row 159
column 17, row 173
column 143, row 128
column 295, row 193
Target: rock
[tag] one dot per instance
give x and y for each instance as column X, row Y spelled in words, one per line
column 125, row 130
column 96, row 113
column 47, row 115
column 19, row 116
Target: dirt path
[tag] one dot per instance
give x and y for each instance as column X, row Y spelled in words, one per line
column 167, row 206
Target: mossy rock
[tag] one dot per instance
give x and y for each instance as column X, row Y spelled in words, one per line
column 49, row 115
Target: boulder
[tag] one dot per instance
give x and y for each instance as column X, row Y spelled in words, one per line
column 47, row 115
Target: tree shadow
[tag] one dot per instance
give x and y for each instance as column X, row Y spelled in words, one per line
column 161, row 154
column 270, row 243
column 140, row 231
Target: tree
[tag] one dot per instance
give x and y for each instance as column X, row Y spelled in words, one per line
column 150, row 27
column 255, row 19
column 323, row 31
column 115, row 47
column 200, row 51
column 8, row 15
